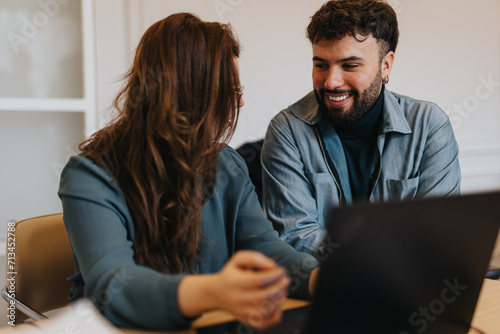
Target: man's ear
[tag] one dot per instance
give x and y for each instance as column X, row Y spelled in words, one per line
column 387, row 63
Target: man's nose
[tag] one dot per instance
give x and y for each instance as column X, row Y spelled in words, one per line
column 334, row 79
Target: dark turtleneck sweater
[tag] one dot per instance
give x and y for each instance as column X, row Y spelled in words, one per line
column 360, row 141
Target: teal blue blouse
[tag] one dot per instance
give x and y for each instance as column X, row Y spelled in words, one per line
column 101, row 231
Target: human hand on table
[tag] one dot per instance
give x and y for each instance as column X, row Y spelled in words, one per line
column 251, row 286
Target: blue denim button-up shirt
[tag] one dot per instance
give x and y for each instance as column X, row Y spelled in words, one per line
column 305, row 172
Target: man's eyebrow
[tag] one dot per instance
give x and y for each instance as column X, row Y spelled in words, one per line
column 353, row 58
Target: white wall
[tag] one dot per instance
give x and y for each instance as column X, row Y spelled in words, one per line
column 275, row 63
column 47, row 65
column 448, row 50
column 449, row 53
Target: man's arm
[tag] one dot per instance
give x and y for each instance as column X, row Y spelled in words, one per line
column 439, row 168
column 288, row 198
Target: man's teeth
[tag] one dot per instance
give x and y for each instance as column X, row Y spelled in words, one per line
column 338, row 98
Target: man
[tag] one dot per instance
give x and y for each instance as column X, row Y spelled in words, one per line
column 352, row 140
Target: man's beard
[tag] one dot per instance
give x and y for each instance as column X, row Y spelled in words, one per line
column 342, row 118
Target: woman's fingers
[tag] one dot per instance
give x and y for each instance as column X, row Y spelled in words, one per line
column 261, row 279
column 252, row 260
column 264, row 315
column 250, row 269
column 253, row 288
column 277, row 291
column 263, row 307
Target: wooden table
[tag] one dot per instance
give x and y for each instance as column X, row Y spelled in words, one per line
column 217, row 317
column 486, row 317
column 495, row 257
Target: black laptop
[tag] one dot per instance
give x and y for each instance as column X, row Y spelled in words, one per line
column 399, row 268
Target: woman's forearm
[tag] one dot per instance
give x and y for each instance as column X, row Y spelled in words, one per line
column 195, row 294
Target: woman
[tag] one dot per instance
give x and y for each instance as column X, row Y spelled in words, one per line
column 155, row 199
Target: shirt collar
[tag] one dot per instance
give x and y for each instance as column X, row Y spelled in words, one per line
column 307, row 109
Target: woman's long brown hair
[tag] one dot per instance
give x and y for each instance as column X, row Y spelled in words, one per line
column 177, row 106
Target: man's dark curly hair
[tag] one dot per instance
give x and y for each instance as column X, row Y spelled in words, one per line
column 338, row 18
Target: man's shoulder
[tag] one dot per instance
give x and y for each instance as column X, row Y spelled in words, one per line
column 304, row 110
column 413, row 104
column 413, row 108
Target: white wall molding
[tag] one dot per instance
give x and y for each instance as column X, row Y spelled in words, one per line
column 480, row 168
column 479, row 150
column 89, row 66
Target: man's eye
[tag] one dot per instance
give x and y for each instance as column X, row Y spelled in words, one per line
column 350, row 66
column 320, row 66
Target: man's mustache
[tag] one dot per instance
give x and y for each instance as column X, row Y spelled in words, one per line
column 337, row 91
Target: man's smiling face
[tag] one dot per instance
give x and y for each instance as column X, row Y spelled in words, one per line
column 347, row 77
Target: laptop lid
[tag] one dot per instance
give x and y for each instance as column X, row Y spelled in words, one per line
column 405, row 267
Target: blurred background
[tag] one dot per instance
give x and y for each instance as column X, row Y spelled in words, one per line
column 61, row 62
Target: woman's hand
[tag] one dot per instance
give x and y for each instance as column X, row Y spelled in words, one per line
column 251, row 286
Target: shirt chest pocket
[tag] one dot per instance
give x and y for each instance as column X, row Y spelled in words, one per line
column 403, row 189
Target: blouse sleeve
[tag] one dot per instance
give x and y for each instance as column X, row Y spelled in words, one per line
column 99, row 227
column 254, row 231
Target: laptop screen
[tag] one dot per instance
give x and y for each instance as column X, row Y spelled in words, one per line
column 405, row 267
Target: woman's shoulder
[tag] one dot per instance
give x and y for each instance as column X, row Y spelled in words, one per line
column 81, row 165
column 232, row 161
column 82, row 174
